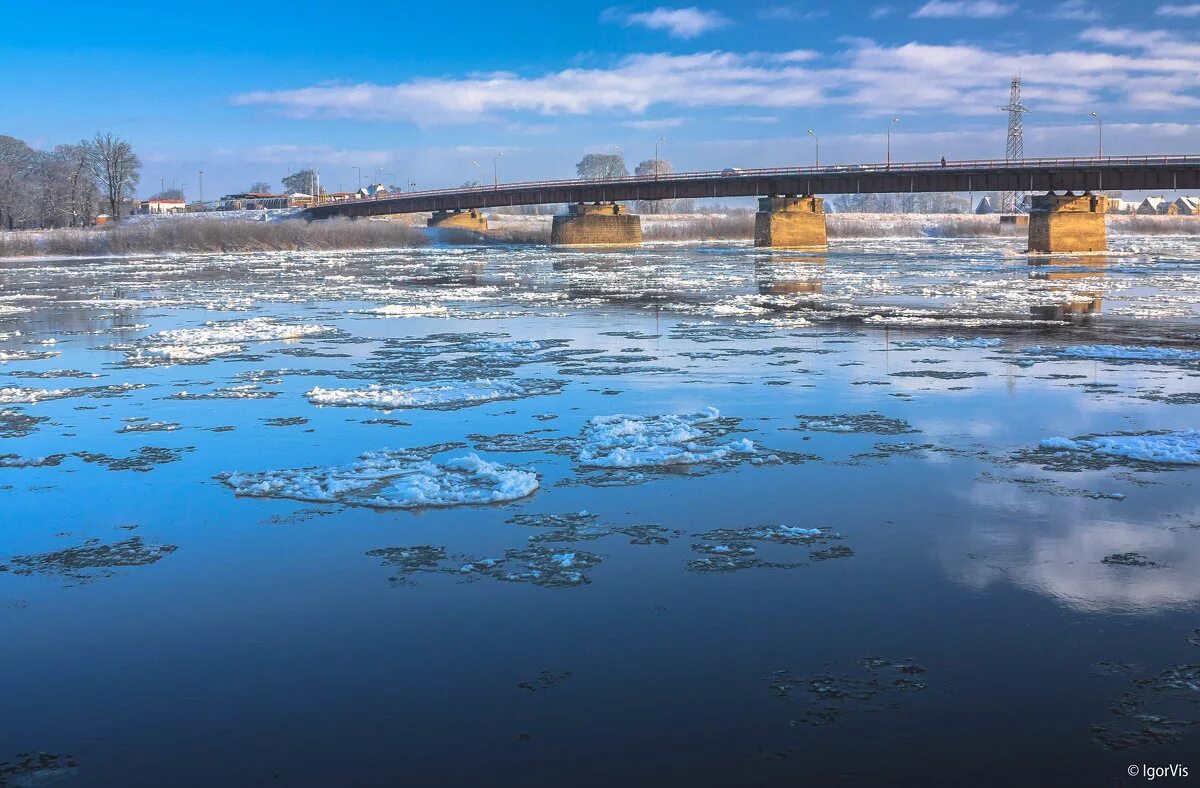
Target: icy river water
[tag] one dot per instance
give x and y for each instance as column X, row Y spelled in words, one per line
column 909, row 512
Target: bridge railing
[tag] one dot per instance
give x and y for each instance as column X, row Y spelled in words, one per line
column 968, row 165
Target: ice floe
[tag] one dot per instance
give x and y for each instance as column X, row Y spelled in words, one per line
column 443, row 395
column 1117, row 352
column 949, row 343
column 1170, row 448
column 622, row 441
column 392, row 479
column 215, row 339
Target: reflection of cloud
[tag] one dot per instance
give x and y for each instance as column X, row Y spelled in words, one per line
column 1050, row 545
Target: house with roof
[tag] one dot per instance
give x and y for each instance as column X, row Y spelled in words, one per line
column 1151, row 206
column 1186, row 206
column 985, row 206
column 160, row 206
column 374, row 190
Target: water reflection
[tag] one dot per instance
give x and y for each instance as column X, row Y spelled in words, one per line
column 1057, row 545
column 1076, row 303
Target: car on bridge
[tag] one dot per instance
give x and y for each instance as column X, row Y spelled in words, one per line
column 733, row 171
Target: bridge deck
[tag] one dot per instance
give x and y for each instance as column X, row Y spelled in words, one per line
column 1157, row 173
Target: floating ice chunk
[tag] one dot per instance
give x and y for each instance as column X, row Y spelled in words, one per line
column 409, row 310
column 950, row 343
column 388, row 479
column 446, row 395
column 622, row 441
column 193, row 345
column 183, row 352
column 1119, row 352
column 1171, row 448
column 14, row 395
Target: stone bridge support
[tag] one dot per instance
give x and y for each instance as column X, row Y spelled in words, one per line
column 1067, row 223
column 791, row 222
column 459, row 220
column 598, row 224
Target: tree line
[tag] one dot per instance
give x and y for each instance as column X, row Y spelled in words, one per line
column 68, row 186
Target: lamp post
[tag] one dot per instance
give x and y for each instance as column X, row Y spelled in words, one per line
column 1099, row 136
column 817, row 142
column 660, row 141
column 201, row 185
column 395, row 180
column 892, row 122
column 359, row 171
column 480, row 168
column 496, row 170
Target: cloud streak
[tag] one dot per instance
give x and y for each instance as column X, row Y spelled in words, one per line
column 1141, row 70
column 677, row 22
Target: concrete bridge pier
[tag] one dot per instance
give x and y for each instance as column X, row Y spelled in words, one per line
column 459, row 220
column 597, row 224
column 791, row 222
column 1067, row 223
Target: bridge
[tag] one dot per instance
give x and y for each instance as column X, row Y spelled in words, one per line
column 789, row 214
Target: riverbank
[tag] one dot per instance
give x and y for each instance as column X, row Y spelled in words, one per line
column 192, row 234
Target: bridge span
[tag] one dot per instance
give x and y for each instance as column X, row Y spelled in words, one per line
column 789, row 214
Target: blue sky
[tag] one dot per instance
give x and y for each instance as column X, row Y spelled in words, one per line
column 418, row 91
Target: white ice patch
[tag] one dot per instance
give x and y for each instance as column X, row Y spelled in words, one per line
column 388, row 479
column 950, row 343
column 1172, row 448
column 1120, row 352
column 19, row 395
column 192, row 345
column 409, row 310
column 622, row 441
column 444, row 395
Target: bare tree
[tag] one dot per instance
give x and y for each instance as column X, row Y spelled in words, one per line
column 601, row 165
column 16, row 160
column 302, row 182
column 260, row 187
column 117, row 168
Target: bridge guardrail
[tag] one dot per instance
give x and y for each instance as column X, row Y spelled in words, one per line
column 834, row 169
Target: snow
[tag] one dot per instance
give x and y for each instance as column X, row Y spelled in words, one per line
column 388, row 479
column 444, row 395
column 183, row 352
column 1172, row 448
column 622, row 441
column 950, row 343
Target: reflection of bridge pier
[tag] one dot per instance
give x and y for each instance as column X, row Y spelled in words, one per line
column 1068, row 223
column 470, row 219
column 598, row 224
column 1078, row 303
column 791, row 275
column 791, row 222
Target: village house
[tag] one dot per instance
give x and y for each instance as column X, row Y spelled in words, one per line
column 1151, row 206
column 1187, row 206
column 160, row 206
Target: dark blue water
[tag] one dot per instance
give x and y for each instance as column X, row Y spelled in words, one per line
column 975, row 608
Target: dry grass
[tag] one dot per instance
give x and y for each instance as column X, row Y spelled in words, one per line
column 217, row 236
column 1154, row 225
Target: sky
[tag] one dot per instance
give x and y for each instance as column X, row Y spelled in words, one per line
column 417, row 92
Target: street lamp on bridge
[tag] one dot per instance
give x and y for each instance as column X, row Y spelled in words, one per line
column 496, row 170
column 1099, row 136
column 892, row 122
column 480, row 168
column 817, row 142
column 656, row 144
column 359, row 171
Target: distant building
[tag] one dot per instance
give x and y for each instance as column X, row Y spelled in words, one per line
column 156, row 206
column 1117, row 205
column 1151, row 206
column 257, row 201
column 374, row 190
column 985, row 206
column 1187, row 206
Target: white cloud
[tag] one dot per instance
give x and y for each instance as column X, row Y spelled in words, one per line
column 678, row 22
column 305, row 155
column 653, row 124
column 791, row 13
column 1076, row 10
column 1179, row 10
column 966, row 9
column 881, row 12
column 1140, row 70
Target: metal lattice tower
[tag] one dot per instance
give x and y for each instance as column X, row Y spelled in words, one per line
column 1016, row 143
